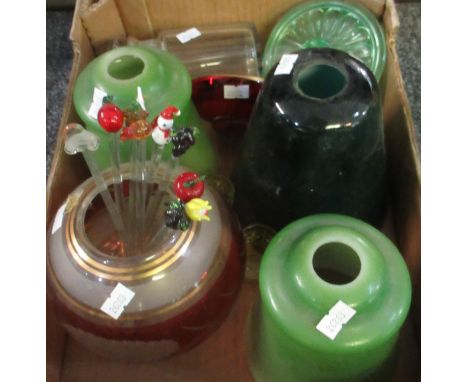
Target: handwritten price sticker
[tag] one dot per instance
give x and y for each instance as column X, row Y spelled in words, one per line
column 333, row 322
column 118, row 300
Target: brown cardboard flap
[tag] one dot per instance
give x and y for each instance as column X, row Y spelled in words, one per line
column 167, row 13
column 55, row 345
column 136, row 18
column 390, row 18
column 403, row 160
column 107, row 20
column 102, row 22
column 404, row 167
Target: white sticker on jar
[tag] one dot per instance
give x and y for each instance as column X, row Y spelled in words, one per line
column 333, row 322
column 188, row 35
column 118, row 300
column 98, row 96
column 236, row 92
column 286, row 64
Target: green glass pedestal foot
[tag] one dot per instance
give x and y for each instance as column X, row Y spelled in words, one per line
column 256, row 237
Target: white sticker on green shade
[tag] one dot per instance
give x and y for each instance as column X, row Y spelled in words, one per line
column 332, row 323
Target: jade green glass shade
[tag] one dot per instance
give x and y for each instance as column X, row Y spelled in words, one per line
column 314, row 144
column 155, row 79
column 328, row 24
column 307, row 268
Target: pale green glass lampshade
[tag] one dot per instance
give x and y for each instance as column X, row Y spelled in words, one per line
column 328, row 24
column 307, row 268
column 155, row 79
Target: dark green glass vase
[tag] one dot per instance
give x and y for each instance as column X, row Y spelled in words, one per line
column 315, row 144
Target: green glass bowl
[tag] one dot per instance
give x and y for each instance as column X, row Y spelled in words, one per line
column 328, row 24
column 133, row 73
column 307, row 268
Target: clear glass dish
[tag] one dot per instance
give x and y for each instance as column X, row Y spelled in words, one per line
column 221, row 49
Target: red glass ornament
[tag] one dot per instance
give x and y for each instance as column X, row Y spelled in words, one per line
column 110, row 118
column 188, row 186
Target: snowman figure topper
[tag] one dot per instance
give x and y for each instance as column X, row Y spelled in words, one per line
column 162, row 125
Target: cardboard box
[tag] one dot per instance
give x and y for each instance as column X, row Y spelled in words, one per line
column 222, row 358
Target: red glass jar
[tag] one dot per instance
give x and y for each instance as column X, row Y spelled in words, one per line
column 184, row 286
column 226, row 101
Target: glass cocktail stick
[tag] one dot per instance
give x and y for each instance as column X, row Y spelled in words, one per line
column 137, row 130
column 111, row 119
column 161, row 134
column 80, row 140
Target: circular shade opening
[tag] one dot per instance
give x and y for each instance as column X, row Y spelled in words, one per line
column 126, row 67
column 336, row 263
column 321, row 81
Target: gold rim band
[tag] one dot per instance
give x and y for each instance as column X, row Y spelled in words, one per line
column 153, row 315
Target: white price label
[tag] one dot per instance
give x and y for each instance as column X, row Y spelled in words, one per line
column 188, row 35
column 236, row 92
column 118, row 300
column 333, row 322
column 98, row 96
column 286, row 64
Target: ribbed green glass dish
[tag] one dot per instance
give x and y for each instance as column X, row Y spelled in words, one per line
column 307, row 268
column 155, row 78
column 328, row 24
